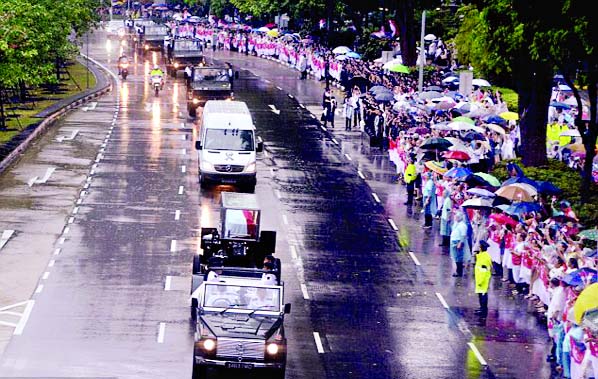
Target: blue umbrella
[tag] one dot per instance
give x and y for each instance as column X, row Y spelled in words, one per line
column 547, row 188
column 522, row 207
column 378, row 88
column 583, row 276
column 495, row 119
column 481, row 192
column 521, row 179
column 559, row 105
column 352, row 54
column 458, row 173
column 384, row 96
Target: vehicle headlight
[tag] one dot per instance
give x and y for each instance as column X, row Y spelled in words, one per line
column 250, row 167
column 271, row 348
column 176, row 65
column 146, row 47
column 195, row 101
column 210, row 345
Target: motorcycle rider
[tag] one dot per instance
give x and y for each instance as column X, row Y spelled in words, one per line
column 157, row 72
column 122, row 60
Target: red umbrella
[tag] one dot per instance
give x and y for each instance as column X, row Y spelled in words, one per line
column 503, row 219
column 270, row 25
column 457, row 155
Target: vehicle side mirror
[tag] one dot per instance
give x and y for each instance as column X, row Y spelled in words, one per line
column 236, row 74
column 197, row 145
column 287, row 308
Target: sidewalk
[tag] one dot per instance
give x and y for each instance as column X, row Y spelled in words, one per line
column 512, row 339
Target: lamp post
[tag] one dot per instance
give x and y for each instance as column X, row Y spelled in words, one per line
column 422, row 55
column 87, row 58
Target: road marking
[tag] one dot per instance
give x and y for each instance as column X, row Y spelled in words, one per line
column 6, row 234
column 61, row 241
column 39, row 288
column 46, row 275
column 76, row 210
column 277, row 193
column 183, row 169
column 52, row 263
column 414, row 258
column 69, row 138
column 167, row 283
column 312, row 115
column 90, row 107
column 177, row 214
column 477, row 354
column 293, row 252
column 66, row 230
column 265, row 154
column 348, row 156
column 285, row 219
column 291, row 96
column 334, row 141
column 86, row 186
column 322, row 127
column 280, row 89
column 302, row 106
column 183, row 151
column 361, row 174
column 57, row 251
column 184, row 137
column 304, row 291
column 392, row 224
column 172, row 246
column 273, row 109
column 23, row 321
column 375, row 197
column 79, row 201
column 44, row 179
column 319, row 346
column 181, row 189
column 161, row 331
column 88, row 179
column 92, row 172
column 71, row 220
column 442, row 301
column 182, row 124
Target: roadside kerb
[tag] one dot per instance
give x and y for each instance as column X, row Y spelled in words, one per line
column 104, row 86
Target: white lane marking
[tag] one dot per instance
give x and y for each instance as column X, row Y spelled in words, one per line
column 442, row 301
column 167, row 283
column 361, row 174
column 39, row 288
column 71, row 220
column 95, row 165
column 313, row 116
column 52, row 263
column 70, row 138
column 348, row 157
column 57, row 251
column 183, row 169
column 89, row 178
column 279, row 88
column 61, row 241
column 23, row 321
column 302, row 106
column 477, row 354
column 177, row 214
column 277, row 193
column 92, row 172
column 392, row 224
column 414, row 258
column 334, row 141
column 304, row 291
column 285, row 219
column 66, row 230
column 322, row 127
column 293, row 252
column 291, row 96
column 182, row 124
column 183, row 151
column 46, row 275
column 161, row 331
column 172, row 246
column 44, row 179
column 266, row 154
column 181, row 189
column 86, row 186
column 273, row 109
column 318, row 340
column 184, row 137
column 76, row 210
column 375, row 197
column 79, row 201
column 83, row 193
column 6, row 234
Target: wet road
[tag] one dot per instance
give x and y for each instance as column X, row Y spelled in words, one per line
column 114, row 303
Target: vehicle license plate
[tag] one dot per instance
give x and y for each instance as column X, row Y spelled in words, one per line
column 244, row 366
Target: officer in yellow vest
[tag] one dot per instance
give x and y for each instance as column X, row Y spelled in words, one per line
column 410, row 176
column 482, row 274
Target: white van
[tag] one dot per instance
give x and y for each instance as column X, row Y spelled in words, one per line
column 227, row 144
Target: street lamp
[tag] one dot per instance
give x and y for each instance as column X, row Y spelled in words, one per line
column 422, row 55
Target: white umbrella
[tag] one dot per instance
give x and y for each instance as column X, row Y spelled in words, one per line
column 564, row 87
column 495, row 128
column 460, row 125
column 263, row 29
column 477, row 203
column 570, row 133
column 429, row 37
column 392, row 63
column 341, row 57
column 449, row 79
column 481, row 83
column 341, row 50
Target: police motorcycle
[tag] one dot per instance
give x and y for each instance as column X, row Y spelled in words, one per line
column 157, row 80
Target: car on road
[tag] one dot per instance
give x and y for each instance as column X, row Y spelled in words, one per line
column 181, row 53
column 239, row 241
column 239, row 323
column 227, row 145
column 208, row 83
column 151, row 38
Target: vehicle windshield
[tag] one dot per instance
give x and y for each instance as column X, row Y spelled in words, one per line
column 240, row 224
column 231, row 297
column 229, row 139
column 185, row 45
column 210, row 74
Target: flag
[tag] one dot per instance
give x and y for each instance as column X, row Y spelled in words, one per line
column 322, row 23
column 380, row 33
column 393, row 27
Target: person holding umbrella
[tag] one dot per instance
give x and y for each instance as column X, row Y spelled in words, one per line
column 482, row 274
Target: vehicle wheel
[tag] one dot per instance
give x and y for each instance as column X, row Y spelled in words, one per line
column 203, row 184
column 199, row 372
column 193, row 309
column 196, row 264
column 249, row 188
column 157, row 91
column 277, row 374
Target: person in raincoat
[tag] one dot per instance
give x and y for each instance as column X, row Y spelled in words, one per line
column 458, row 242
column 482, row 274
column 429, row 199
column 445, row 217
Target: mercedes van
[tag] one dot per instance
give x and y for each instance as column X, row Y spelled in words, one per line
column 227, row 145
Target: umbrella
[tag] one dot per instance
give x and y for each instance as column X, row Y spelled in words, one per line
column 436, row 167
column 503, row 219
column 436, row 143
column 589, row 321
column 378, row 88
column 479, row 183
column 564, row 87
column 520, row 179
column 590, row 234
column 460, row 125
column 443, row 104
column 514, row 193
column 400, row 68
column 418, row 130
column 458, row 173
column 341, row 57
column 354, row 55
column 509, row 115
column 522, row 207
column 384, row 96
column 477, row 203
column 456, row 155
column 481, row 83
column 581, row 277
column 263, row 29
column 526, row 187
column 473, row 136
column 392, row 63
column 464, row 119
column 547, row 188
column 481, row 192
column 586, row 301
column 560, row 105
column 434, row 88
column 492, row 180
column 341, row 50
column 429, row 37
column 575, row 147
column 495, row 128
column 570, row 133
column 272, row 33
column 495, row 119
column 429, row 95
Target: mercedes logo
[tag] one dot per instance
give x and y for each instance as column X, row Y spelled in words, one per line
column 227, row 168
column 240, row 349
